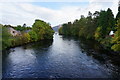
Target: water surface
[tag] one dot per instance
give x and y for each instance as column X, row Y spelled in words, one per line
column 64, row 57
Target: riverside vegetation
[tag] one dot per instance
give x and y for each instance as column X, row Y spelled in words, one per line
column 96, row 26
column 40, row 30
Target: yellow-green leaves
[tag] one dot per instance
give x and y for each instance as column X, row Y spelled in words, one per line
column 98, row 34
column 42, row 29
column 33, row 36
column 116, row 38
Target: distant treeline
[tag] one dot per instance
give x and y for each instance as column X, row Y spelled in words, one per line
column 40, row 30
column 96, row 26
column 19, row 27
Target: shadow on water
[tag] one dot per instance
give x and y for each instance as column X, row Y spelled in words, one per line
column 39, row 46
column 110, row 60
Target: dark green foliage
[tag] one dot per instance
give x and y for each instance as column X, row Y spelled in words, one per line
column 60, row 31
column 21, row 28
column 106, row 22
column 80, row 27
column 118, row 14
column 6, row 37
column 110, row 19
column 33, row 35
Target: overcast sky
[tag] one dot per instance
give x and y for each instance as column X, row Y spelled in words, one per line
column 55, row 12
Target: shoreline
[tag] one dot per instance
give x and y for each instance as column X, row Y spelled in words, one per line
column 102, row 47
column 27, row 44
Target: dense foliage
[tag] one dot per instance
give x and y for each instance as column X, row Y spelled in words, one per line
column 96, row 26
column 116, row 38
column 19, row 27
column 6, row 37
column 118, row 14
column 40, row 30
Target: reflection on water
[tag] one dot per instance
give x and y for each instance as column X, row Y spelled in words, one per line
column 64, row 57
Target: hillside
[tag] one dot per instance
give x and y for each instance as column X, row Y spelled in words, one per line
column 55, row 28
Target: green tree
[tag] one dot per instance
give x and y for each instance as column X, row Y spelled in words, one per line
column 6, row 37
column 102, row 22
column 60, row 30
column 25, row 37
column 33, row 35
column 42, row 29
column 106, row 21
column 118, row 14
column 22, row 28
column 98, row 34
column 116, row 38
column 110, row 20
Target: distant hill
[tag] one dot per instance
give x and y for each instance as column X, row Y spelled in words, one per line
column 55, row 28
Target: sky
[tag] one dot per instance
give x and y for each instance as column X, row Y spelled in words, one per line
column 55, row 12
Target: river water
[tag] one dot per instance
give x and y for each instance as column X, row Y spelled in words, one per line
column 64, row 57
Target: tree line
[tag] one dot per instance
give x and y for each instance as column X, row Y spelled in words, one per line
column 96, row 26
column 19, row 27
column 40, row 30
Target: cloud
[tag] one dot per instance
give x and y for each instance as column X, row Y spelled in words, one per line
column 114, row 6
column 44, row 0
column 102, row 1
column 18, row 13
column 57, row 1
column 103, row 4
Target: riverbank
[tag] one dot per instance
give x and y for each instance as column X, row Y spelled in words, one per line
column 102, row 47
column 34, row 42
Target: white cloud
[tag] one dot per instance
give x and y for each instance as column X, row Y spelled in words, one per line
column 102, row 1
column 16, row 13
column 56, row 0
column 44, row 0
column 114, row 6
column 100, row 4
column 19, row 13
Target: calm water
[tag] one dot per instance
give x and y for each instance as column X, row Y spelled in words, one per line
column 64, row 57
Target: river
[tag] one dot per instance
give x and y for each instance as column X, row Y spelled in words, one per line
column 64, row 57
